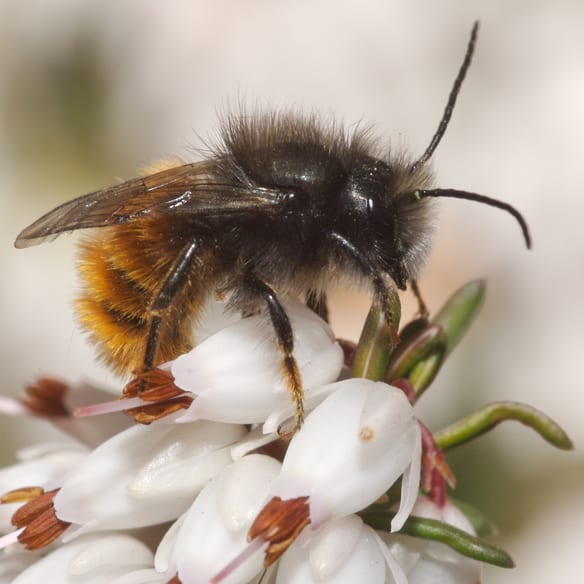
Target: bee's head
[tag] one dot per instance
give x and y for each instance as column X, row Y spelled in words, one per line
column 378, row 211
column 384, row 208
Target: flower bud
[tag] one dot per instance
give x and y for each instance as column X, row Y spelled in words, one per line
column 215, row 527
column 145, row 475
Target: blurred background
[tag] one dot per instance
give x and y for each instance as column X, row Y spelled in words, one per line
column 92, row 91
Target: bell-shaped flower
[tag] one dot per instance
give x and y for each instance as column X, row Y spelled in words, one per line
column 215, row 528
column 92, row 559
column 429, row 561
column 44, row 466
column 56, row 401
column 344, row 551
column 236, row 373
column 13, row 561
column 145, row 475
column 350, row 451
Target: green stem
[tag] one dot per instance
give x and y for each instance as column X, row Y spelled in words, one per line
column 490, row 415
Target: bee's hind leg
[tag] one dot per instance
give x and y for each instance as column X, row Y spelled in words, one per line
column 171, row 286
column 255, row 286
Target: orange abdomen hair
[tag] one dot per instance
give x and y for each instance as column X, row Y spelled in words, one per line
column 122, row 269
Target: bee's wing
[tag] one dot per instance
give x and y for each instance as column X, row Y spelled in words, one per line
column 190, row 188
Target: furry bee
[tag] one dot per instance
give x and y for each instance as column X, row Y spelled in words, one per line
column 283, row 205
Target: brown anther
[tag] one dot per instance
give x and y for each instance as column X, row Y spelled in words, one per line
column 174, row 580
column 40, row 522
column 45, row 396
column 275, row 449
column 279, row 523
column 156, row 386
column 23, row 495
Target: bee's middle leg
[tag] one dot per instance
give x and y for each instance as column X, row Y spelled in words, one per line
column 285, row 339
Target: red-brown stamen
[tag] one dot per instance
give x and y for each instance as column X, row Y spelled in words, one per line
column 156, row 386
column 37, row 517
column 45, row 397
column 279, row 524
column 436, row 471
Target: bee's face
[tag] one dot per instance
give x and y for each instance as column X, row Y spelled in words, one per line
column 378, row 211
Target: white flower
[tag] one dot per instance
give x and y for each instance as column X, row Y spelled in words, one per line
column 236, row 372
column 145, row 475
column 344, row 551
column 429, row 561
column 56, row 402
column 215, row 527
column 92, row 559
column 13, row 561
column 231, row 519
column 351, row 449
column 44, row 466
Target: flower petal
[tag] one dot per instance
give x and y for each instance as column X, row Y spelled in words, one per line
column 430, row 561
column 91, row 559
column 44, row 467
column 145, row 475
column 236, row 373
column 351, row 449
column 344, row 552
column 214, row 529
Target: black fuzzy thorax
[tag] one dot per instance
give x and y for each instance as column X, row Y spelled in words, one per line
column 333, row 182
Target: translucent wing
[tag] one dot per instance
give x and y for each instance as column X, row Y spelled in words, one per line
column 191, row 188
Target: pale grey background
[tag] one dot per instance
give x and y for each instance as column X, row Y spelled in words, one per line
column 90, row 91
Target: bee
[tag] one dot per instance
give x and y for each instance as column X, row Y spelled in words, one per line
column 284, row 204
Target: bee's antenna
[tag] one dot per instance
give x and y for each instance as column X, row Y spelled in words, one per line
column 455, row 194
column 451, row 98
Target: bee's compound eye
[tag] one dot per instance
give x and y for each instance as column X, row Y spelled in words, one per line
column 295, row 200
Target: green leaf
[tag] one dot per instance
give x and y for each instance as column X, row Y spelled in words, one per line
column 424, row 346
column 492, row 414
column 417, row 349
column 460, row 541
column 460, row 310
column 482, row 524
column 376, row 342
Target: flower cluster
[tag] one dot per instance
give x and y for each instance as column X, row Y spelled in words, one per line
column 201, row 483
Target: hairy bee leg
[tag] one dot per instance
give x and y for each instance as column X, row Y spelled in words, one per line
column 380, row 286
column 171, row 286
column 422, row 308
column 285, row 339
column 382, row 293
column 317, row 302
